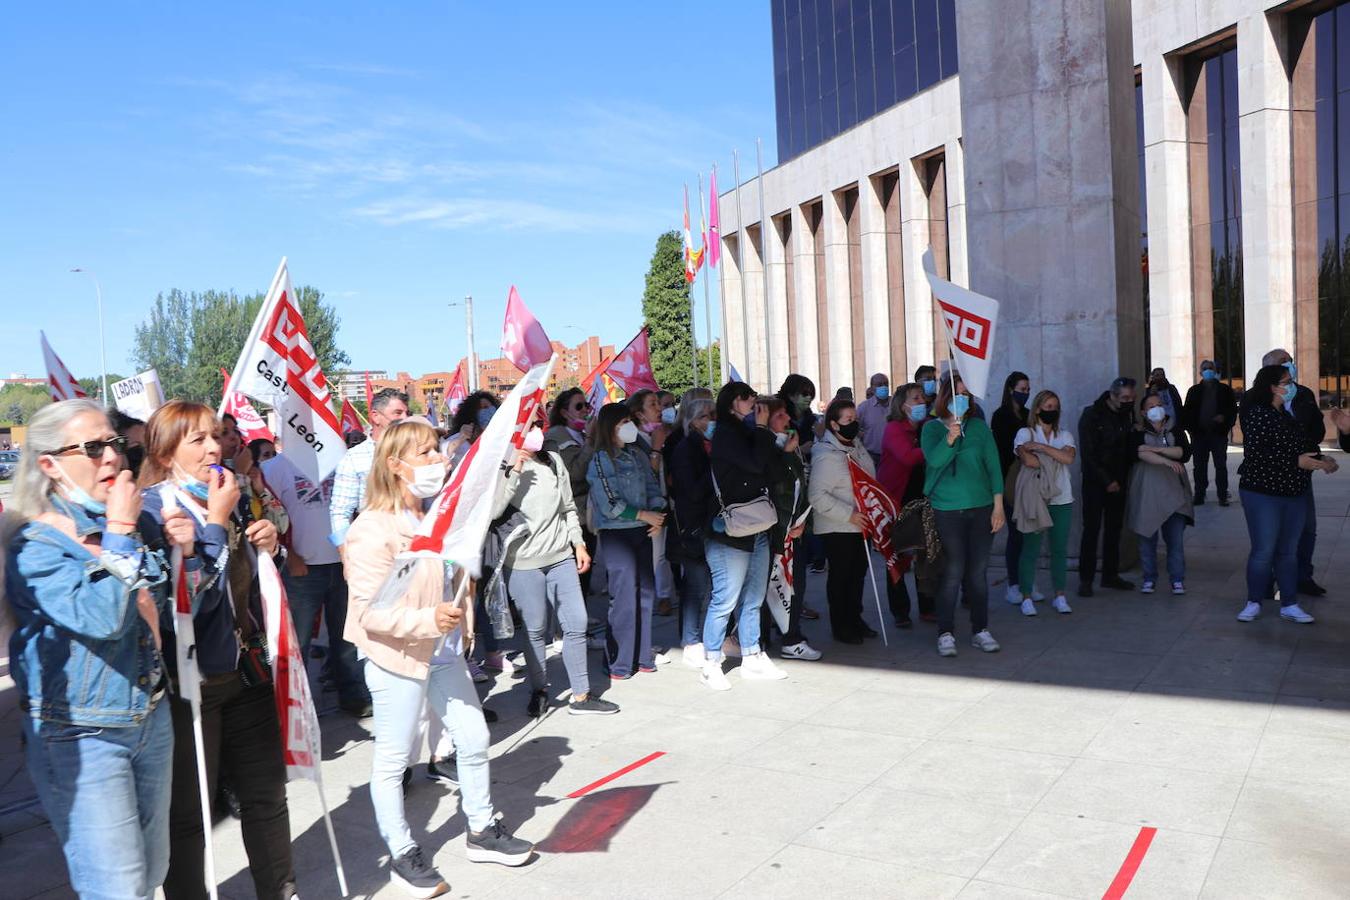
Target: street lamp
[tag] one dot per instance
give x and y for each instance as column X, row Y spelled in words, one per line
column 472, row 357
column 102, row 344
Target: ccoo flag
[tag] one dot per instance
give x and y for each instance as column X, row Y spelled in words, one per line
column 971, row 319
column 60, row 383
column 278, row 367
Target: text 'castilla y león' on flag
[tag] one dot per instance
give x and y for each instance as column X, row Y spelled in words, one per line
column 971, row 320
column 278, row 367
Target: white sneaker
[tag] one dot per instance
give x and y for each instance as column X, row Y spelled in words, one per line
column 730, row 648
column 693, row 656
column 983, row 640
column 1250, row 612
column 1014, row 595
column 758, row 667
column 1028, row 607
column 714, row 677
column 1036, row 594
column 1146, row 587
column 1061, row 605
column 801, row 650
column 1178, row 588
column 662, row 656
column 946, row 644
column 1295, row 613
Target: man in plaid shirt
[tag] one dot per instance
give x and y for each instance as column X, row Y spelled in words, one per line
column 349, row 484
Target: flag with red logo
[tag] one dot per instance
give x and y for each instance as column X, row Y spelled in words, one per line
column 60, row 383
column 779, row 597
column 714, row 223
column 879, row 512
column 523, row 338
column 971, row 319
column 278, row 367
column 457, row 393
column 351, row 421
column 251, row 425
column 631, row 369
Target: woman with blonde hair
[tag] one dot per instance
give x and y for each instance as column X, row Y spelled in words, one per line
column 405, row 670
column 1043, row 444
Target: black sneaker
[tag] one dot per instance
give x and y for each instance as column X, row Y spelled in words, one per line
column 866, row 630
column 1116, row 583
column 489, row 716
column 496, row 844
column 407, row 778
column 1311, row 588
column 1198, row 500
column 414, row 874
column 538, row 704
column 1085, row 589
column 1223, row 500
column 444, row 771
column 592, row 706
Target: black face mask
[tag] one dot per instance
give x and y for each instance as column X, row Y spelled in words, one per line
column 1049, row 416
column 135, row 456
column 850, row 431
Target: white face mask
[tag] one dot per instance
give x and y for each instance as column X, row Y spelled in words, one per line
column 427, row 480
column 628, row 432
column 534, row 440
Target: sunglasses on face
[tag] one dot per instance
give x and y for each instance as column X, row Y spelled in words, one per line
column 94, row 449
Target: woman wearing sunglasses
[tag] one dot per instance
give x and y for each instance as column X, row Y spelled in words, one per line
column 85, row 654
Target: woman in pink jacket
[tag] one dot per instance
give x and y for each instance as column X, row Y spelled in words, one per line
column 901, row 474
column 414, row 645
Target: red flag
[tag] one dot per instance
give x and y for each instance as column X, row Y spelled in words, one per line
column 370, row 394
column 879, row 515
column 251, row 425
column 457, row 392
column 714, row 223
column 631, row 370
column 523, row 338
column 350, row 420
column 60, row 383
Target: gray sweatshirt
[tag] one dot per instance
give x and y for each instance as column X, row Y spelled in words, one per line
column 544, row 497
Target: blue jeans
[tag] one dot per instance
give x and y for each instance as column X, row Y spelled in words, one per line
column 740, row 580
column 1172, row 532
column 1274, row 525
column 632, row 593
column 557, row 589
column 106, row 792
column 694, row 597
column 398, row 702
column 966, row 542
column 1307, row 540
column 1012, row 551
column 323, row 587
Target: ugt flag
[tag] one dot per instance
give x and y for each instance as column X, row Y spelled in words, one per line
column 251, row 425
column 631, row 369
column 879, row 512
column 523, row 338
column 278, row 367
column 60, row 383
column 971, row 319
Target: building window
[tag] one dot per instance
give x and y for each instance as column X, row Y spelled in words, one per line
column 1216, row 220
column 1143, row 216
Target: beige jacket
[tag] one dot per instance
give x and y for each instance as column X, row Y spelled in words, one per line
column 403, row 637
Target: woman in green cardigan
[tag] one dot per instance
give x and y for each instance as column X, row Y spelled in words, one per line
column 964, row 482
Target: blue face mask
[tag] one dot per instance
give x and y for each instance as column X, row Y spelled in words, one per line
column 485, row 416
column 960, row 405
column 708, row 429
column 194, row 486
column 1210, row 375
column 668, row 415
column 918, row 412
column 78, row 495
column 1293, row 369
column 929, row 387
column 882, row 392
column 1290, row 391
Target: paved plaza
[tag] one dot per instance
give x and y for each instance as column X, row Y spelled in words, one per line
column 889, row 772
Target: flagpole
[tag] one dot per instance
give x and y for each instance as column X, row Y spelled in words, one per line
column 707, row 308
column 332, row 840
column 740, row 269
column 721, row 297
column 764, row 265
column 693, row 335
column 871, row 571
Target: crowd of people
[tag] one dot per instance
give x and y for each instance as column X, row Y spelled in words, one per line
column 669, row 506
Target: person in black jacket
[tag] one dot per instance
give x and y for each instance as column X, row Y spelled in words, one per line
column 1103, row 446
column 1341, row 419
column 1010, row 418
column 788, row 487
column 1208, row 415
column 691, row 488
column 1308, row 415
column 742, row 456
column 1171, row 397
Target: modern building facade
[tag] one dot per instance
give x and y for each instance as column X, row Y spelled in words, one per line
column 1152, row 183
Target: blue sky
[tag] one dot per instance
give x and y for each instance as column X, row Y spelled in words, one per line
column 401, row 155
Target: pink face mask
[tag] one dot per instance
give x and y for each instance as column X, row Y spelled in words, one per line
column 534, row 440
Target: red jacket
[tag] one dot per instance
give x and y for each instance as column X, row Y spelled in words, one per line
column 900, row 453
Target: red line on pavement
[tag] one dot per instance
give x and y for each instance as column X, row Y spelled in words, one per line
column 1131, row 864
column 613, row 775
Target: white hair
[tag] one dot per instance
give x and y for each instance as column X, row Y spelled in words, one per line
column 46, row 432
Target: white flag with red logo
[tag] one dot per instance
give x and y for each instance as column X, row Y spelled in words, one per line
column 251, row 425
column 780, row 593
column 971, row 319
column 879, row 512
column 184, row 634
column 631, row 370
column 60, row 383
column 278, row 367
column 523, row 339
column 457, row 392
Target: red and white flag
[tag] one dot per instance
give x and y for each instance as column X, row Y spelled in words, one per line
column 60, row 383
column 251, row 425
column 780, row 593
column 714, row 222
column 457, row 392
column 879, row 512
column 523, row 338
column 971, row 319
column 278, row 367
column 631, row 370
column 350, row 420
column 693, row 259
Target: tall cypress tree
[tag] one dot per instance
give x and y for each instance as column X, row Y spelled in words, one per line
column 665, row 306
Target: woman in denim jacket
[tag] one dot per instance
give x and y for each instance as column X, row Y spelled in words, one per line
column 626, row 504
column 85, row 654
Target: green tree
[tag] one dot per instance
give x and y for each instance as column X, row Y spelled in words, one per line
column 665, row 307
column 20, row 402
column 94, row 386
column 715, row 381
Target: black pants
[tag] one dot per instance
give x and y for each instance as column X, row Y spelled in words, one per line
column 588, row 537
column 897, row 596
column 1104, row 516
column 243, row 741
column 966, row 544
column 1208, row 447
column 847, row 556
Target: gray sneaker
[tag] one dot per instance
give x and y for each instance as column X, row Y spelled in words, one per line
column 983, row 640
column 416, row 876
column 496, row 844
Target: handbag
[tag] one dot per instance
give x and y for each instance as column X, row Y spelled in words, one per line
column 748, row 518
column 915, row 529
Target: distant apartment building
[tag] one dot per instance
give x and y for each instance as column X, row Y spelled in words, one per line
column 352, row 385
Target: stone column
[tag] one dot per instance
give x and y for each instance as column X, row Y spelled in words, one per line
column 837, row 300
column 775, row 306
column 914, row 240
column 957, row 257
column 1267, row 188
column 1052, row 194
column 752, row 274
column 876, row 315
column 804, row 275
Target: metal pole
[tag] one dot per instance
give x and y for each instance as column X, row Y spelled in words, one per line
column 740, row 269
column 764, row 265
column 707, row 308
column 473, row 357
column 102, row 343
column 693, row 335
column 722, row 308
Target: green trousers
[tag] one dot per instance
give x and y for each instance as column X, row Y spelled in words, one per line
column 1061, row 515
